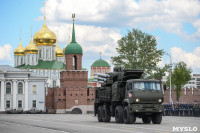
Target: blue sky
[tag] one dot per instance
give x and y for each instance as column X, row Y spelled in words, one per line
column 99, row 24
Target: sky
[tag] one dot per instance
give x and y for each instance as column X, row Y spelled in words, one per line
column 99, row 24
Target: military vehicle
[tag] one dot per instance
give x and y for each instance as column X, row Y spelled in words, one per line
column 125, row 96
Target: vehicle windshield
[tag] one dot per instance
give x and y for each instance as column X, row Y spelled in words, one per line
column 147, row 85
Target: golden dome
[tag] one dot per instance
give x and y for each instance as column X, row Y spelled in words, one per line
column 44, row 37
column 31, row 48
column 20, row 49
column 59, row 52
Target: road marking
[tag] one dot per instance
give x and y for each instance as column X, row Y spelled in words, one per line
column 114, row 129
column 35, row 127
column 128, row 128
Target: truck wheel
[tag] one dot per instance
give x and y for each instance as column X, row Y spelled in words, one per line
column 119, row 114
column 156, row 118
column 146, row 119
column 105, row 114
column 99, row 113
column 128, row 117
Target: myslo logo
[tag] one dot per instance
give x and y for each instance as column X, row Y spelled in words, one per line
column 185, row 129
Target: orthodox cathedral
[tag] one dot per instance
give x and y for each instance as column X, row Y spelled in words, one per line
column 42, row 56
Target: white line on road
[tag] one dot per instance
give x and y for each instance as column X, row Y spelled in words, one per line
column 35, row 127
column 101, row 127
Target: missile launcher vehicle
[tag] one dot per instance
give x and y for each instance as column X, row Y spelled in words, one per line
column 125, row 96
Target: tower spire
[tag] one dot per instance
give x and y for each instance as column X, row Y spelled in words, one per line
column 44, row 13
column 57, row 37
column 100, row 55
column 20, row 34
column 69, row 35
column 31, row 32
column 73, row 31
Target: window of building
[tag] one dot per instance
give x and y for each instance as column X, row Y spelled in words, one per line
column 76, row 101
column 107, row 70
column 88, row 92
column 20, row 104
column 8, row 88
column 40, row 54
column 21, row 60
column 98, row 71
column 94, row 70
column 34, row 89
column 8, row 104
column 74, row 63
column 34, row 104
column 47, row 55
column 28, row 59
column 198, row 79
column 103, row 70
column 17, row 60
column 20, row 88
column 54, row 83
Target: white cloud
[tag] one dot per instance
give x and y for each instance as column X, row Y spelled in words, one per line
column 6, row 52
column 92, row 39
column 192, row 59
column 169, row 15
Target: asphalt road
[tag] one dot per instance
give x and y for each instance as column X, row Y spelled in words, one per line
column 63, row 123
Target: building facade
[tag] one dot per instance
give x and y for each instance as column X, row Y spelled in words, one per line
column 194, row 82
column 42, row 56
column 99, row 66
column 73, row 95
column 21, row 89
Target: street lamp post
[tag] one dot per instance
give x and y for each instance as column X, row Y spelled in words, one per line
column 170, row 80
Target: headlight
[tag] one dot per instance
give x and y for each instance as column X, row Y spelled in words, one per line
column 137, row 100
column 159, row 100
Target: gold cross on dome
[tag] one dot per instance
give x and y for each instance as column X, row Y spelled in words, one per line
column 73, row 16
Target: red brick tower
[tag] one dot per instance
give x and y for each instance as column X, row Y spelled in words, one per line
column 74, row 79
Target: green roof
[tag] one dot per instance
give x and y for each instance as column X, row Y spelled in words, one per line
column 100, row 63
column 45, row 65
column 90, row 80
column 73, row 48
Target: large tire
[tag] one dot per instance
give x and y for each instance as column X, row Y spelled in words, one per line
column 128, row 117
column 119, row 114
column 146, row 119
column 105, row 114
column 156, row 118
column 99, row 113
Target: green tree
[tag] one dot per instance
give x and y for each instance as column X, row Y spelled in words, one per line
column 137, row 50
column 180, row 76
column 159, row 72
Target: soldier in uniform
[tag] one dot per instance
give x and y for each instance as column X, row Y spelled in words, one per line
column 181, row 109
column 194, row 110
column 191, row 109
column 186, row 110
column 198, row 110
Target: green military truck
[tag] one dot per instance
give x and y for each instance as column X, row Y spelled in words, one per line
column 125, row 96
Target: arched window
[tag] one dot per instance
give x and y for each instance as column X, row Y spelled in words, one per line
column 47, row 54
column 21, row 61
column 20, row 88
column 8, row 88
column 74, row 63
column 40, row 53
